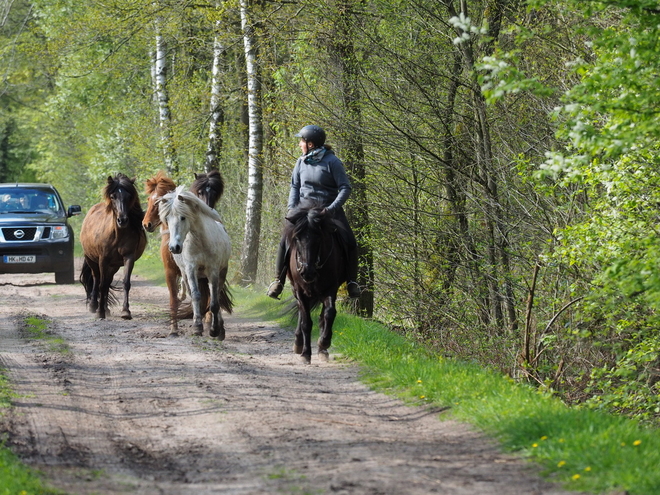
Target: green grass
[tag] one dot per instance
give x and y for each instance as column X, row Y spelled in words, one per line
column 37, row 328
column 582, row 449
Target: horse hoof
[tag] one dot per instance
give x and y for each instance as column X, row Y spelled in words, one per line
column 173, row 333
column 297, row 349
column 305, row 359
column 218, row 334
column 324, row 356
column 126, row 315
column 198, row 331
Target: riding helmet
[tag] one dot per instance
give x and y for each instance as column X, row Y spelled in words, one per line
column 312, row 133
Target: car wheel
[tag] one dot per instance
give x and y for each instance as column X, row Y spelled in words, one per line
column 65, row 277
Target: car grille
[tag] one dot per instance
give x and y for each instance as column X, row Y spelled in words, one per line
column 20, row 234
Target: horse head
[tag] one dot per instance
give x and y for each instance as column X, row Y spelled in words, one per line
column 182, row 211
column 122, row 197
column 208, row 187
column 305, row 235
column 156, row 188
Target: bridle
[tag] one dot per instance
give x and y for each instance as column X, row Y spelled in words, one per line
column 318, row 265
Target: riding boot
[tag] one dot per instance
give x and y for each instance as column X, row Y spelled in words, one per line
column 277, row 286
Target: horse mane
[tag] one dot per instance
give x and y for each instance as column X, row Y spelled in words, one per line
column 160, row 183
column 210, row 183
column 305, row 216
column 191, row 204
column 135, row 213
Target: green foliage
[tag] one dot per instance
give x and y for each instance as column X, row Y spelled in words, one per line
column 610, row 124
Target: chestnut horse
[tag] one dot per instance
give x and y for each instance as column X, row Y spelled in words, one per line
column 201, row 248
column 316, row 268
column 111, row 236
column 209, row 187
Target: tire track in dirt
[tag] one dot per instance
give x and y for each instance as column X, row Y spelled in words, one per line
column 129, row 410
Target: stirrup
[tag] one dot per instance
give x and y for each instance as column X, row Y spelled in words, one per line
column 353, row 289
column 275, row 289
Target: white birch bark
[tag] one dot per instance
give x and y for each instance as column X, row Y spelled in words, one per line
column 162, row 96
column 214, row 147
column 250, row 252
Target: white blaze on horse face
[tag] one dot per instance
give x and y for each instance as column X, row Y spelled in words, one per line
column 179, row 227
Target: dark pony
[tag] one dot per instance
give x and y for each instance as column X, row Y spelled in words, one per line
column 316, row 269
column 111, row 236
column 209, row 187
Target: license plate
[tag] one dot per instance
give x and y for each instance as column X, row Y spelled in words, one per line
column 12, row 258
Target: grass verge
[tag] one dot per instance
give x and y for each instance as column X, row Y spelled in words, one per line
column 582, row 449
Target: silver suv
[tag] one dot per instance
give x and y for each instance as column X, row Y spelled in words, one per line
column 35, row 236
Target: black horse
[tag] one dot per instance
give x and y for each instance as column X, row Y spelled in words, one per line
column 316, row 269
column 209, row 187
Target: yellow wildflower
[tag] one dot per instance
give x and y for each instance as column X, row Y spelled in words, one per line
column 637, row 442
column 587, row 469
column 422, row 396
column 544, row 437
column 575, row 477
column 534, row 445
column 561, row 463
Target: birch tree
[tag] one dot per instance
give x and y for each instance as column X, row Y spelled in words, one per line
column 163, row 99
column 250, row 251
column 217, row 115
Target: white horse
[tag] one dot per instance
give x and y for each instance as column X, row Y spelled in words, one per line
column 201, row 248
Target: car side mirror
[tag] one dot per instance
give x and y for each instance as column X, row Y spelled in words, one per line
column 74, row 210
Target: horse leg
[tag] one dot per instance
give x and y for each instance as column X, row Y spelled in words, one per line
column 128, row 269
column 195, row 295
column 305, row 325
column 326, row 321
column 217, row 323
column 94, row 291
column 298, row 335
column 105, row 280
column 172, row 279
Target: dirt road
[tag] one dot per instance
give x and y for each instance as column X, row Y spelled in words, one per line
column 118, row 407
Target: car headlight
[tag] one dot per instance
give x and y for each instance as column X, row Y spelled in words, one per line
column 60, row 232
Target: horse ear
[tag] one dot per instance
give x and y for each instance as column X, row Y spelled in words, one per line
column 290, row 220
column 110, row 179
column 133, row 180
column 195, row 174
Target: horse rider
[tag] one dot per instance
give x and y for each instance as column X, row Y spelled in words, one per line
column 319, row 176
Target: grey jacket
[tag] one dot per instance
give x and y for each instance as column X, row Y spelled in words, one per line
column 320, row 176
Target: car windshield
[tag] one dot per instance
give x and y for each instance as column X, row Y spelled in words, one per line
column 14, row 200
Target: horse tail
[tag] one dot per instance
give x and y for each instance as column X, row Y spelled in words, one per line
column 113, row 300
column 225, row 298
column 86, row 278
column 185, row 311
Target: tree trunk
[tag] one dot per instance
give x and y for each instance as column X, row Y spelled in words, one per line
column 162, row 96
column 250, row 252
column 217, row 116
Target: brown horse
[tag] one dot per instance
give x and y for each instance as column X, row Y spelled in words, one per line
column 111, row 236
column 209, row 187
column 316, row 269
